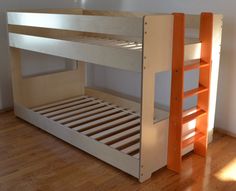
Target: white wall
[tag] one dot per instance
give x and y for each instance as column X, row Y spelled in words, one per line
column 226, row 106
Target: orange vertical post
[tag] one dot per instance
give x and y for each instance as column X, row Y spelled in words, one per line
column 206, row 39
column 176, row 102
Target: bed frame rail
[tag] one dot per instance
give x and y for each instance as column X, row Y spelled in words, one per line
column 123, row 26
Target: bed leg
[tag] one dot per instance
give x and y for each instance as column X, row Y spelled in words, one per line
column 144, row 176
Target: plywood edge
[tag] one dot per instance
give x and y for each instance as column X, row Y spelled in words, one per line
column 76, row 11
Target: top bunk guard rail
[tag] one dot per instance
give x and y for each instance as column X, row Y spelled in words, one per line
column 115, row 41
column 123, row 26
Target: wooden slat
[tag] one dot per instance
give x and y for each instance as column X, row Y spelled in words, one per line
column 116, row 128
column 108, row 125
column 65, row 105
column 193, row 116
column 108, row 42
column 72, row 108
column 196, row 91
column 131, row 148
column 98, row 122
column 115, row 99
column 191, row 140
column 87, row 114
column 37, row 109
column 91, row 118
column 125, row 26
column 197, row 65
column 126, row 141
column 120, row 135
column 64, row 116
column 111, row 56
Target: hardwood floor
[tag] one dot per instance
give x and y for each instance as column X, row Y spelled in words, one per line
column 32, row 160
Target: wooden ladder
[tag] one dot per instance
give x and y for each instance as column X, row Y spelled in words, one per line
column 199, row 137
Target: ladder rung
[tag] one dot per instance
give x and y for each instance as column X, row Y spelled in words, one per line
column 200, row 89
column 197, row 136
column 193, row 116
column 197, row 65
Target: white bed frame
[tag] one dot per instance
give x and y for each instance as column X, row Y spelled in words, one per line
column 118, row 131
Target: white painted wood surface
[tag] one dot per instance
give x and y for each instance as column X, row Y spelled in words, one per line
column 126, row 26
column 40, row 90
column 151, row 134
column 216, row 52
column 192, row 51
column 119, row 58
column 159, row 29
column 112, row 53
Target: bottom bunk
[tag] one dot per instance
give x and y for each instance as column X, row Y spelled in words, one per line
column 105, row 129
column 100, row 128
column 106, row 123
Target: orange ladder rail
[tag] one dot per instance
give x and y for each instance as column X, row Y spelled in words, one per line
column 177, row 89
column 206, row 39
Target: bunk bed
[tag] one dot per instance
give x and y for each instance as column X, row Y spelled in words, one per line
column 131, row 136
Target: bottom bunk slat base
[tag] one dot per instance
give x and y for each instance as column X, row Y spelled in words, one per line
column 116, row 158
column 104, row 130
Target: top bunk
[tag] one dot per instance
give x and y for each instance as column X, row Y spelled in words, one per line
column 120, row 40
